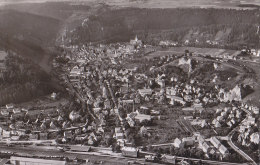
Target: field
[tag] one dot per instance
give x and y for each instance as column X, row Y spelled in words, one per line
column 203, row 51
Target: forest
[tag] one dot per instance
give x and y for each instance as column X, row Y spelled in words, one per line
column 227, row 26
column 22, row 80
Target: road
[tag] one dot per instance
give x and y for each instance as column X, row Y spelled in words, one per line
column 235, row 148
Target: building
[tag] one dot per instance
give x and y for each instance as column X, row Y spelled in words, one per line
column 215, row 142
column 254, row 138
column 4, row 162
column 3, row 55
column 188, row 141
column 177, row 143
column 174, row 99
column 75, row 72
column 250, row 121
column 33, row 161
column 54, row 95
column 142, row 117
column 4, row 112
column 80, row 148
column 255, row 110
column 201, row 122
column 146, row 91
column 9, row 106
column 17, row 110
column 205, row 147
column 223, row 150
column 130, row 152
column 136, row 42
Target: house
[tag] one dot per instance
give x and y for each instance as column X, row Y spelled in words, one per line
column 231, row 115
column 119, row 135
column 223, row 150
column 215, row 142
column 188, row 109
column 93, row 135
column 218, row 110
column 75, row 72
column 131, row 122
column 74, row 115
column 155, row 112
column 6, row 133
column 53, row 95
column 174, row 99
column 205, row 147
column 143, row 130
column 188, row 141
column 142, row 117
column 255, row 110
column 43, row 126
column 33, row 136
column 144, row 92
column 9, row 106
column 229, row 124
column 171, row 91
column 43, row 136
column 220, row 118
column 254, row 138
column 198, row 107
column 118, row 129
column 130, row 152
column 100, row 130
column 177, row 143
column 52, row 125
column 4, row 112
column 188, row 98
column 14, row 138
column 212, row 151
column 201, row 123
column 250, row 121
column 16, row 110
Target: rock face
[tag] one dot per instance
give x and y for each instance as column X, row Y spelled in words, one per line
column 233, row 94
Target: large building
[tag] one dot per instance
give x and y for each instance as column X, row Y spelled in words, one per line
column 130, row 152
column 32, row 161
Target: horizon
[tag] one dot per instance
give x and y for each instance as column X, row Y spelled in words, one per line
column 150, row 3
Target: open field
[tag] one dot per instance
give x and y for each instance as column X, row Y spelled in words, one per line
column 237, row 4
column 203, row 51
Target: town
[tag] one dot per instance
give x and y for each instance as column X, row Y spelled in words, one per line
column 168, row 103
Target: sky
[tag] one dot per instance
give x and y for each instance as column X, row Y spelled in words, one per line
column 152, row 3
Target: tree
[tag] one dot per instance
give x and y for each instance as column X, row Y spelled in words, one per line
column 122, row 113
column 110, row 141
column 116, row 148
